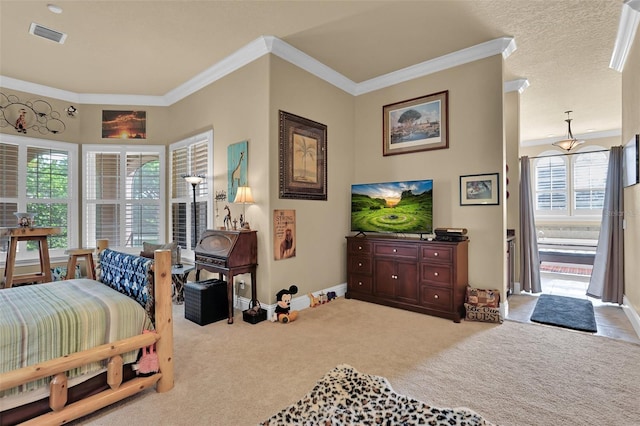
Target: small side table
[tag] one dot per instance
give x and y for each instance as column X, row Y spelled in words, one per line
column 179, row 276
column 27, row 234
column 80, row 253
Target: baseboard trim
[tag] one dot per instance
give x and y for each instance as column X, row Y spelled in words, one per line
column 632, row 314
column 298, row 303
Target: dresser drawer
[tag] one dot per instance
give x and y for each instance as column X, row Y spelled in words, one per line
column 436, row 298
column 438, row 254
column 397, row 250
column 360, row 265
column 359, row 283
column 436, row 274
column 358, row 247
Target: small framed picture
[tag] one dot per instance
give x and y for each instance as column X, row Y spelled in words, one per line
column 418, row 124
column 481, row 190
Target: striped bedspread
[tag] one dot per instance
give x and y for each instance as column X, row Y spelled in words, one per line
column 46, row 321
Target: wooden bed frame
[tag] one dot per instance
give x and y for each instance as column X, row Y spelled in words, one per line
column 57, row 368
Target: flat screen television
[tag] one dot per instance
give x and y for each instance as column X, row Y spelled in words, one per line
column 404, row 207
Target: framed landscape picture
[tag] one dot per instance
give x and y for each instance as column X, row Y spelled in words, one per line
column 303, row 158
column 418, row 124
column 124, row 124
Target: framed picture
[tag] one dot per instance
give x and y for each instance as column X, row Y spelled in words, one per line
column 237, row 159
column 284, row 234
column 630, row 162
column 479, row 190
column 124, row 124
column 303, row 158
column 419, row 124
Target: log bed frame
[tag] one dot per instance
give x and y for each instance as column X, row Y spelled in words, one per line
column 57, row 368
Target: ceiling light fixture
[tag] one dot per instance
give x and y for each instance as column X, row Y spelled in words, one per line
column 54, row 9
column 569, row 142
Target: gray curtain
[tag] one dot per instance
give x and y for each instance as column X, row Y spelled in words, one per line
column 607, row 277
column 529, row 256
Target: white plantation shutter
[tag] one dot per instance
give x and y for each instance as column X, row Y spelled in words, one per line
column 551, row 184
column 123, row 188
column 589, row 181
column 38, row 176
column 582, row 175
column 187, row 157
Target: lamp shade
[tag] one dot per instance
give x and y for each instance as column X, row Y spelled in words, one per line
column 243, row 195
column 194, row 180
column 569, row 142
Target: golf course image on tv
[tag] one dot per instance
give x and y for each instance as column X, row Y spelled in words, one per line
column 393, row 207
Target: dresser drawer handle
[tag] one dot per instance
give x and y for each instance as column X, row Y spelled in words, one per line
column 359, row 263
column 436, row 296
column 435, row 274
column 359, row 247
column 435, row 254
column 395, row 250
column 359, row 282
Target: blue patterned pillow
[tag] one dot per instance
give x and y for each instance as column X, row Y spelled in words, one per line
column 130, row 275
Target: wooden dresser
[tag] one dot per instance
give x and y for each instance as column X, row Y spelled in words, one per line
column 430, row 277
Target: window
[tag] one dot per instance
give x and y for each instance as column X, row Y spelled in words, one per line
column 38, row 177
column 188, row 157
column 571, row 185
column 122, row 197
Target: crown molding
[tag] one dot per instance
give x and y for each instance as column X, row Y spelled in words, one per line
column 583, row 136
column 241, row 57
column 519, row 85
column 270, row 44
column 300, row 59
column 504, row 46
column 627, row 27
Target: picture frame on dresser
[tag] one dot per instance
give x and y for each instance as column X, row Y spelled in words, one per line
column 480, row 190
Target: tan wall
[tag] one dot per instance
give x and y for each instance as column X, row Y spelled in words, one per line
column 72, row 124
column 631, row 127
column 475, row 147
column 512, row 170
column 321, row 226
column 236, row 108
column 244, row 106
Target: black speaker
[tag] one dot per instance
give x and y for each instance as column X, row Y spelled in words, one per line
column 206, row 301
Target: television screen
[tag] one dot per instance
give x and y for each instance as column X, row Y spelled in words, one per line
column 394, row 207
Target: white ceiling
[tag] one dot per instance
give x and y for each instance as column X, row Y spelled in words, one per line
column 150, row 48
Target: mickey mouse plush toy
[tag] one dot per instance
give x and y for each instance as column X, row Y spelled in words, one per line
column 283, row 313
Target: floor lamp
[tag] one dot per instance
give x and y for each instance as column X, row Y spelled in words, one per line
column 194, row 180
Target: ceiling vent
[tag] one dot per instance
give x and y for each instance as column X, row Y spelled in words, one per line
column 48, row 33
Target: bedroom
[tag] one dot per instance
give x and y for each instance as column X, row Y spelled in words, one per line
column 268, row 84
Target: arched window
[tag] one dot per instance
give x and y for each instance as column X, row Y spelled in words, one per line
column 551, row 185
column 589, row 180
column 580, row 177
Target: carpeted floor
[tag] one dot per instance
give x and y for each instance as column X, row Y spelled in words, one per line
column 511, row 373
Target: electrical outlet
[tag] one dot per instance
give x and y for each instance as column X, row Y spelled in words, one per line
column 241, row 284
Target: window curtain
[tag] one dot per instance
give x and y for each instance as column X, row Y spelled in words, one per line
column 607, row 277
column 529, row 256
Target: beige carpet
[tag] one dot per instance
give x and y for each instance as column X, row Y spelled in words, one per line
column 511, row 374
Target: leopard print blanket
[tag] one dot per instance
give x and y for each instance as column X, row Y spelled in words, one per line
column 345, row 396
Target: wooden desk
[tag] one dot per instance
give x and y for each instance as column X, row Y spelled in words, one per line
column 27, row 234
column 229, row 253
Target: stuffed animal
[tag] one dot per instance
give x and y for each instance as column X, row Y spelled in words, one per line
column 282, row 313
column 313, row 301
